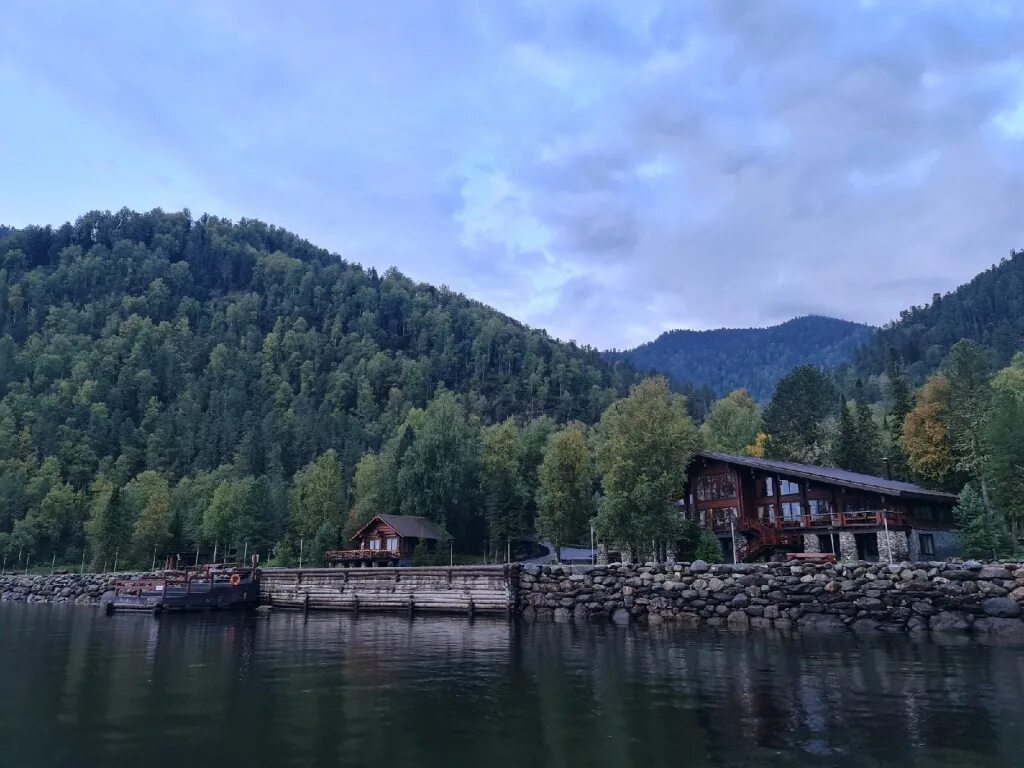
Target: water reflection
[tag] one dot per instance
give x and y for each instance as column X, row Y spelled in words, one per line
column 377, row 690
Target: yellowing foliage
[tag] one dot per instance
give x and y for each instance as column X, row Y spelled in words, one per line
column 925, row 437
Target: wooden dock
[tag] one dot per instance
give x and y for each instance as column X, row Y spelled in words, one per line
column 460, row 589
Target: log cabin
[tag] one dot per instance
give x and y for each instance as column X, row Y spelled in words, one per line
column 389, row 540
column 769, row 508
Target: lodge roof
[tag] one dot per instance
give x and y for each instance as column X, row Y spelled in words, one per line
column 409, row 526
column 831, row 476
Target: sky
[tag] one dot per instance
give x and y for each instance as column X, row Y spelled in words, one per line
column 606, row 171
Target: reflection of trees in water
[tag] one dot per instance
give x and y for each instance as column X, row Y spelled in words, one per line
column 335, row 689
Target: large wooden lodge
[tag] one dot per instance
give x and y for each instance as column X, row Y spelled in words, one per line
column 769, row 508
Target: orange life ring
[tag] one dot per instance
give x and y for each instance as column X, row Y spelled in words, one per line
column 235, row 579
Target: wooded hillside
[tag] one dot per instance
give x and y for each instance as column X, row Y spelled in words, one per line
column 219, row 351
column 753, row 359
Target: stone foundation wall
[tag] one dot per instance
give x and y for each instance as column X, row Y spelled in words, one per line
column 894, row 542
column 86, row 588
column 862, row 597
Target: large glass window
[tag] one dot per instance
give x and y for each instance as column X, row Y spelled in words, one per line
column 375, row 544
column 820, row 507
column 791, row 511
column 392, row 544
column 766, row 513
column 716, row 487
column 789, row 488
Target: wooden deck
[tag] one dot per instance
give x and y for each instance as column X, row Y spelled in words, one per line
column 459, row 589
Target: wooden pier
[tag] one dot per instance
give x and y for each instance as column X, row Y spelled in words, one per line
column 489, row 589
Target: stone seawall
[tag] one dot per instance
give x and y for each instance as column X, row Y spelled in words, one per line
column 86, row 588
column 862, row 597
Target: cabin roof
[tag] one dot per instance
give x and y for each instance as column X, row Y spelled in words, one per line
column 832, row 476
column 409, row 526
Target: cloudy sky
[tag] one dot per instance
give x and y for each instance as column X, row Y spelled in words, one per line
column 604, row 170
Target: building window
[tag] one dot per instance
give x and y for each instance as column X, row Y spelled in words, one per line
column 374, row 544
column 788, row 488
column 769, row 487
column 791, row 511
column 766, row 513
column 867, row 546
column 927, row 544
column 392, row 545
column 716, row 487
column 820, row 507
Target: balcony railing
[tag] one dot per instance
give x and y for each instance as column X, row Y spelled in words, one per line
column 342, row 555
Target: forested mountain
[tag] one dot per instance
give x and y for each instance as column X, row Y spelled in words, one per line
column 747, row 358
column 989, row 310
column 137, row 349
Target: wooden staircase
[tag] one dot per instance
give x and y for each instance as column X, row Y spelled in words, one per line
column 767, row 538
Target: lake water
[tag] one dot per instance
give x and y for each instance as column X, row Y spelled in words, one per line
column 78, row 688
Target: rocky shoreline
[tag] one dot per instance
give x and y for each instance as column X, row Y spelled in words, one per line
column 984, row 598
column 967, row 597
column 85, row 589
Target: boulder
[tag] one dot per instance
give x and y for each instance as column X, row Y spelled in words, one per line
column 821, row 622
column 948, row 621
column 994, row 572
column 1001, row 607
column 738, row 620
column 621, row 617
column 699, row 566
column 1000, row 627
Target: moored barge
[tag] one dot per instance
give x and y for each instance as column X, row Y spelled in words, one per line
column 207, row 587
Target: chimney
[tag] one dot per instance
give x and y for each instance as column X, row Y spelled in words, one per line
column 888, row 467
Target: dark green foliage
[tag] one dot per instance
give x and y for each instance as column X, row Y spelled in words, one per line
column 421, row 554
column 215, row 353
column 989, row 310
column 708, row 549
column 858, row 445
column 796, row 418
column 285, row 555
column 689, row 538
column 326, row 539
column 754, row 359
column 967, row 369
column 1003, row 444
column 983, row 533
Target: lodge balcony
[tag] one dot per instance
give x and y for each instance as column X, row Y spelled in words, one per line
column 871, row 518
column 363, row 556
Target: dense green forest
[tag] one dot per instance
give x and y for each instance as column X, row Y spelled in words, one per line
column 169, row 382
column 179, row 384
column 988, row 310
column 753, row 359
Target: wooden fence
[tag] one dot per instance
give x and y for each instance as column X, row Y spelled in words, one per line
column 459, row 589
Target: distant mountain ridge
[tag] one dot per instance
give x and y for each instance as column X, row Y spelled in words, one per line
column 988, row 309
column 749, row 358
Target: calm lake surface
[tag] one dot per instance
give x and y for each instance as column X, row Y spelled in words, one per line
column 78, row 688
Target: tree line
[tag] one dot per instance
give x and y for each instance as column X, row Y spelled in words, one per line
column 156, row 359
